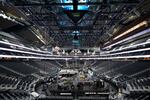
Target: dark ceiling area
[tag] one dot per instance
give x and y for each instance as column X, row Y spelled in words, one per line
column 95, row 27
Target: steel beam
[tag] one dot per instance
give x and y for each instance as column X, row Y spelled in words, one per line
column 88, row 3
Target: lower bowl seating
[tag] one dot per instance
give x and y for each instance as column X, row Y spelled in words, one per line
column 15, row 95
column 9, row 82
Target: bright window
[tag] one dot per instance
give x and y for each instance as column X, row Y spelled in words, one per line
column 70, row 7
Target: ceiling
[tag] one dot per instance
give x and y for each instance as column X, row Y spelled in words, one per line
column 94, row 28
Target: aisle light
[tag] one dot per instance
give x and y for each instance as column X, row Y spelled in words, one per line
column 35, row 94
column 132, row 29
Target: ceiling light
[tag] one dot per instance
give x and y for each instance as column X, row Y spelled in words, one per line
column 129, row 38
column 132, row 29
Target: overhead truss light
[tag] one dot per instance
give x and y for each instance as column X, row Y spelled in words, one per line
column 3, row 15
column 132, row 29
column 129, row 38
